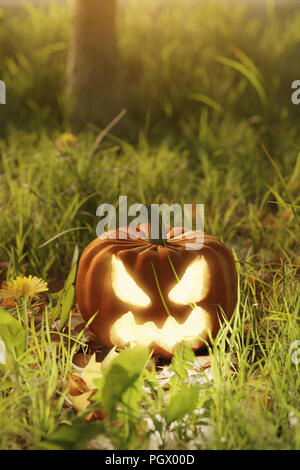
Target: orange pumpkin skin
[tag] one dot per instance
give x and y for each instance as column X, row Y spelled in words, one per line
column 141, row 258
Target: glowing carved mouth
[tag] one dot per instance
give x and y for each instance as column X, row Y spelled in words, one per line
column 126, row 332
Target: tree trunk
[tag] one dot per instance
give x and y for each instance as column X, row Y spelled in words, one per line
column 94, row 72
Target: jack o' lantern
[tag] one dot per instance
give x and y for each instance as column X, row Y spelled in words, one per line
column 154, row 294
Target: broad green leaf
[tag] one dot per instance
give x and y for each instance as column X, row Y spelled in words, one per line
column 116, row 383
column 182, row 360
column 5, row 318
column 98, row 396
column 132, row 359
column 122, row 376
column 12, row 333
column 73, row 437
column 181, row 404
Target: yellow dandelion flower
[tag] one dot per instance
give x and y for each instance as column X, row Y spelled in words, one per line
column 66, row 140
column 23, row 287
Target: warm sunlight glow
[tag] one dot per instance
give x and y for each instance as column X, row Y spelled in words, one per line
column 125, row 287
column 126, row 332
column 194, row 284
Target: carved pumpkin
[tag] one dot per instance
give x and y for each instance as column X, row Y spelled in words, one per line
column 155, row 295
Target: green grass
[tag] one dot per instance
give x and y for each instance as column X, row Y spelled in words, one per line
column 213, row 123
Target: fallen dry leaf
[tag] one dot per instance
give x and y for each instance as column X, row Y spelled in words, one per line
column 92, row 371
column 96, row 414
column 8, row 302
column 81, row 360
column 76, row 385
column 110, row 356
column 202, row 362
column 81, row 402
column 80, row 386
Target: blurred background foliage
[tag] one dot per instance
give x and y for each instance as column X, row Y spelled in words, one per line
column 237, row 59
column 208, row 83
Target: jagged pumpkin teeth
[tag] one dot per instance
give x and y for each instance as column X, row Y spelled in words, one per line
column 126, row 331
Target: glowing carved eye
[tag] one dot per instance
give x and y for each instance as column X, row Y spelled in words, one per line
column 194, row 284
column 125, row 287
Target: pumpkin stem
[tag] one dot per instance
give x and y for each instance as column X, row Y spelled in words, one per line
column 158, row 223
